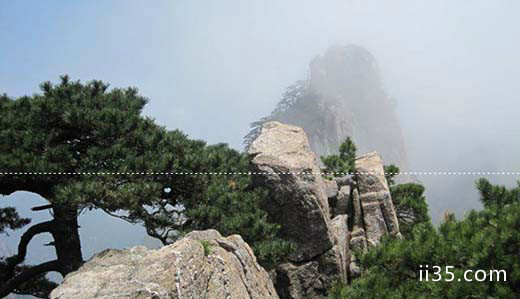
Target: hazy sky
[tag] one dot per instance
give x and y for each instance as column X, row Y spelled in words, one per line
column 212, row 67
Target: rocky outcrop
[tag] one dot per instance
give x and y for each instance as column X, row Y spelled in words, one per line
column 285, row 164
column 314, row 278
column 290, row 170
column 326, row 219
column 202, row 265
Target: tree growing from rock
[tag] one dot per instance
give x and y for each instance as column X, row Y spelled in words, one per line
column 409, row 201
column 83, row 146
column 344, row 162
column 296, row 96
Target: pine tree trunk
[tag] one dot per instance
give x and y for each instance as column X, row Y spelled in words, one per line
column 66, row 239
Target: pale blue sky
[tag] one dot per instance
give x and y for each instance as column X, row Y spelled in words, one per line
column 211, row 67
column 200, row 65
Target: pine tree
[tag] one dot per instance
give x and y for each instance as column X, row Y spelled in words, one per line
column 344, row 162
column 83, row 146
column 409, row 201
column 9, row 219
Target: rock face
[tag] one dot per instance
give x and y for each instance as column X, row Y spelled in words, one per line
column 378, row 209
column 339, row 226
column 314, row 278
column 201, row 265
column 324, row 218
column 291, row 171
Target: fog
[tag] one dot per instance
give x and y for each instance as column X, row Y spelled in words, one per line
column 210, row 68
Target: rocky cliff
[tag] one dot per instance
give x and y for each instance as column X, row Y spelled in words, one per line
column 342, row 96
column 325, row 219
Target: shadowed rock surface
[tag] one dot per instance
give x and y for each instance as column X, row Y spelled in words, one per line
column 202, row 265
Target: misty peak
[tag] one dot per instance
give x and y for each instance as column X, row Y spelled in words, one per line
column 342, row 97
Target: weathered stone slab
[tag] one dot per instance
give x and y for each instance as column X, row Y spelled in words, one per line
column 375, row 226
column 356, row 209
column 341, row 237
column 378, row 209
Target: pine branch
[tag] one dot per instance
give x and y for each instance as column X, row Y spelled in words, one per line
column 11, row 285
column 41, row 208
column 34, row 230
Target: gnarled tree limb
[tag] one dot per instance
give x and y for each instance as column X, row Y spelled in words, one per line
column 26, row 275
column 34, row 230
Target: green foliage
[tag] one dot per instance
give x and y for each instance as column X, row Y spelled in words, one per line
column 206, row 247
column 409, row 201
column 410, row 205
column 495, row 197
column 38, row 286
column 9, row 219
column 487, row 239
column 390, row 172
column 293, row 96
column 272, row 252
column 299, row 106
column 87, row 128
column 344, row 162
column 76, row 128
